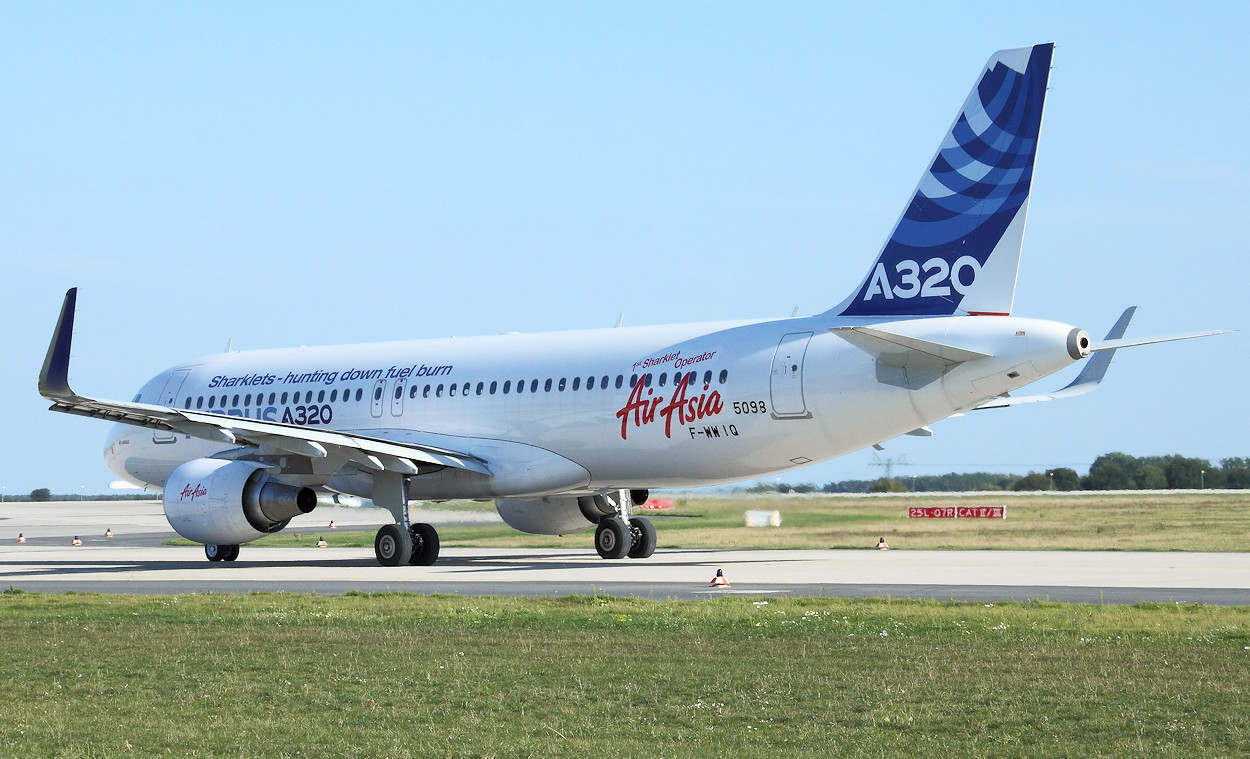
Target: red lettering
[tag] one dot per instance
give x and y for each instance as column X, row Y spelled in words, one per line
column 192, row 493
column 685, row 410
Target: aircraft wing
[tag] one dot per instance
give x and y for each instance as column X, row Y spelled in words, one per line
column 369, row 452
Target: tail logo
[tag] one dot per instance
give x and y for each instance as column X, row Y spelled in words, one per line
column 938, row 281
column 969, row 204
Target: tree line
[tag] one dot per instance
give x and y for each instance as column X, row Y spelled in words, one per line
column 1110, row 471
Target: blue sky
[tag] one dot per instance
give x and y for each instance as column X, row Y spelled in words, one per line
column 314, row 173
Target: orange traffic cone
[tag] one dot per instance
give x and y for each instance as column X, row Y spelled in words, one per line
column 21, row 538
column 719, row 580
column 108, row 533
column 77, row 541
column 321, row 542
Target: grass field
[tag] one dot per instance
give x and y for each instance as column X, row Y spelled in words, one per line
column 1150, row 521
column 409, row 676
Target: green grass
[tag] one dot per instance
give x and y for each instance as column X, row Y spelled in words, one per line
column 401, row 675
column 1151, row 521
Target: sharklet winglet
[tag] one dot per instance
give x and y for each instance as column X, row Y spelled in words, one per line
column 54, row 376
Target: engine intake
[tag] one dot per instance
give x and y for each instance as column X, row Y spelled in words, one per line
column 230, row 502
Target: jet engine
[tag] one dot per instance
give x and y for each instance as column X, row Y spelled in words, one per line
column 560, row 515
column 553, row 515
column 230, row 502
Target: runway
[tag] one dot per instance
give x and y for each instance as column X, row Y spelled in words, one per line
column 136, row 561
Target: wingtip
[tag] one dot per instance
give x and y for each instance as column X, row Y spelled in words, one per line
column 54, row 376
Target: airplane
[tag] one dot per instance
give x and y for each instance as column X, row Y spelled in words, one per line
column 571, row 430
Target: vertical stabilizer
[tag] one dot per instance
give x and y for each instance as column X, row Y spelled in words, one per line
column 956, row 249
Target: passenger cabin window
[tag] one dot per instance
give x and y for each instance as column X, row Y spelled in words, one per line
column 547, row 386
column 284, row 399
column 413, row 392
column 360, row 393
column 563, row 382
column 321, row 396
column 533, row 386
column 663, row 378
column 620, row 380
column 480, row 385
column 577, row 382
column 464, row 390
column 334, row 396
column 212, row 400
column 438, row 392
column 724, row 375
column 188, row 402
column 493, row 384
column 451, row 391
column 633, row 380
column 507, row 387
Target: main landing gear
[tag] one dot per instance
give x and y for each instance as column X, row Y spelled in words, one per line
column 216, row 552
column 616, row 538
column 403, row 542
column 394, row 546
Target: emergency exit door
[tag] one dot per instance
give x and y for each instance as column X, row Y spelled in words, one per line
column 786, row 387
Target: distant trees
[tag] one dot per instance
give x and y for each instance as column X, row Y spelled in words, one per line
column 1120, row 471
column 41, row 495
column 887, row 485
column 1110, row 471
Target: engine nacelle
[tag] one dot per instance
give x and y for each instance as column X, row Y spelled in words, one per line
column 230, row 502
column 553, row 515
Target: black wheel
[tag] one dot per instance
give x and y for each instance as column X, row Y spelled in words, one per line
column 214, row 552
column 392, row 546
column 643, row 534
column 612, row 538
column 231, row 554
column 424, row 545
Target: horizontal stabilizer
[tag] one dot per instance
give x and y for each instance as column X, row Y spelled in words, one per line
column 1096, row 368
column 901, row 351
column 1110, row 345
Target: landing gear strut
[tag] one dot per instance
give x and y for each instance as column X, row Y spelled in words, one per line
column 216, row 552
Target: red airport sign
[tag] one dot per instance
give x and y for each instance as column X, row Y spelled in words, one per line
column 957, row 512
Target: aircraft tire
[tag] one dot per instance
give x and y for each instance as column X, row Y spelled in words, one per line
column 612, row 538
column 214, row 552
column 424, row 545
column 392, row 546
column 643, row 533
column 232, row 553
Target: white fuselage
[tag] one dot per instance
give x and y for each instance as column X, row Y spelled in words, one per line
column 764, row 397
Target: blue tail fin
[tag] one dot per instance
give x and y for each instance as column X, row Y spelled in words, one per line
column 957, row 247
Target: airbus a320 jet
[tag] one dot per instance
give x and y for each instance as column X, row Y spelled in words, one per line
column 567, row 431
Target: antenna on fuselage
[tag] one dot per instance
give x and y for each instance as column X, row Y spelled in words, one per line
column 229, row 343
column 619, row 321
